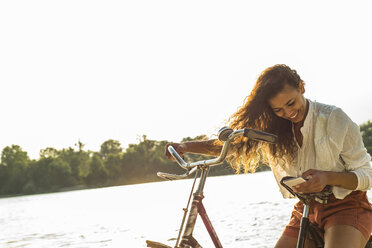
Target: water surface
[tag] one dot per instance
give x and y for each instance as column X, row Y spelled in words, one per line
column 246, row 211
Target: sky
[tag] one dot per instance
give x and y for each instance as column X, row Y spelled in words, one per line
column 93, row 70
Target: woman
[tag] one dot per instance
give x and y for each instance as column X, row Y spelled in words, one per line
column 316, row 141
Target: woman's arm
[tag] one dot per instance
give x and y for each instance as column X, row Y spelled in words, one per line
column 319, row 179
column 346, row 180
column 346, row 141
column 206, row 147
column 353, row 153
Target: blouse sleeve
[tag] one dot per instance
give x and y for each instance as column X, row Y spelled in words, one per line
column 346, row 136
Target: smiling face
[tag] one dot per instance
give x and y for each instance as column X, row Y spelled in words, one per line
column 290, row 103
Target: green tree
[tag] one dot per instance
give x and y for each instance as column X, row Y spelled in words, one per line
column 142, row 161
column 14, row 163
column 111, row 153
column 78, row 161
column 110, row 147
column 98, row 174
column 366, row 131
column 50, row 174
column 49, row 152
column 112, row 164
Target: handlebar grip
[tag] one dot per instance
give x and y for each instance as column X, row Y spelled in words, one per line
column 260, row 136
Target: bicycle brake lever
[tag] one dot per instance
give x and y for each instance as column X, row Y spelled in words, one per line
column 171, row 177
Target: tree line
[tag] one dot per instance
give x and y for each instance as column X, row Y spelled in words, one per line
column 74, row 167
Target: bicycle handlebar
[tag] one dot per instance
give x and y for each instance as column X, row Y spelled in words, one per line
column 225, row 134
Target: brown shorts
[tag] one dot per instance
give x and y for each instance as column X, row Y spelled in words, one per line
column 354, row 210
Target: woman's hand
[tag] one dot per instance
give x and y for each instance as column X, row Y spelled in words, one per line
column 181, row 149
column 317, row 180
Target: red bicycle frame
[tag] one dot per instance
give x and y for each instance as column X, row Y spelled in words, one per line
column 197, row 208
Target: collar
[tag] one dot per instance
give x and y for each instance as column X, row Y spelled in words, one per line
column 305, row 129
column 308, row 118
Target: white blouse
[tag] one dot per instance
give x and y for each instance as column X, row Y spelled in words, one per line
column 331, row 142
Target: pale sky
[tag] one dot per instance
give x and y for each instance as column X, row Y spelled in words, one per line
column 98, row 70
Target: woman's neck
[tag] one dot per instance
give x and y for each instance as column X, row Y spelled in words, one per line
column 300, row 124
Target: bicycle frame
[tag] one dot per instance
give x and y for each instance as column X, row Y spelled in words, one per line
column 197, row 208
column 307, row 228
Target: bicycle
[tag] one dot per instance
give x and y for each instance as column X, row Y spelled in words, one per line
column 185, row 237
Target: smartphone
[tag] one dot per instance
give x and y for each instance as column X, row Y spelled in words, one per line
column 294, row 181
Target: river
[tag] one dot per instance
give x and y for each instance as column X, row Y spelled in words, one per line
column 246, row 211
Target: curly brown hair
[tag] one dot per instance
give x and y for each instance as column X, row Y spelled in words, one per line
column 256, row 113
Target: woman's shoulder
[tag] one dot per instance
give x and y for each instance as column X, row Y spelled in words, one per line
column 322, row 108
column 330, row 112
column 334, row 123
column 332, row 120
